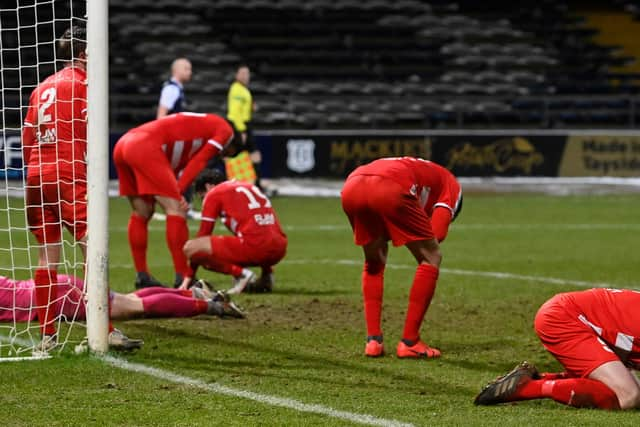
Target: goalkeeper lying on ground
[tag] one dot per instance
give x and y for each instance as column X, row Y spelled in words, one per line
column 17, row 297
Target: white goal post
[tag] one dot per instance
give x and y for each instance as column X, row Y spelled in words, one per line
column 29, row 31
column 97, row 277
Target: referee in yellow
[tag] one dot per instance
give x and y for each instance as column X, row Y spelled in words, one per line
column 240, row 107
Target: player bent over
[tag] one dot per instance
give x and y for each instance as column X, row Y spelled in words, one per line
column 54, row 141
column 157, row 162
column 258, row 239
column 411, row 202
column 595, row 335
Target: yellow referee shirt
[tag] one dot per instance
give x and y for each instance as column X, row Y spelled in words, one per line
column 239, row 105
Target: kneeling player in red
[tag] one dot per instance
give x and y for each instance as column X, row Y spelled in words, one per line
column 411, row 202
column 595, row 335
column 258, row 239
column 157, row 162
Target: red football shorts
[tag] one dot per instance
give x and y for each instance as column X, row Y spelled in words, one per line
column 380, row 207
column 573, row 343
column 54, row 202
column 143, row 171
column 247, row 252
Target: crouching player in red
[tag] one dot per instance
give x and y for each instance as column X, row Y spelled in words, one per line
column 411, row 202
column 595, row 335
column 258, row 239
column 157, row 162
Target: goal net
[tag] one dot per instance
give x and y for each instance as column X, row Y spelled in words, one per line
column 35, row 210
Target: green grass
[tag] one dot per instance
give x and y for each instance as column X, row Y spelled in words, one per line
column 305, row 341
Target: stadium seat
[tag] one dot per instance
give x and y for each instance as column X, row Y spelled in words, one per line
column 404, row 57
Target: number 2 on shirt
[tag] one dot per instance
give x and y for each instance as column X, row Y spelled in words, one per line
column 46, row 134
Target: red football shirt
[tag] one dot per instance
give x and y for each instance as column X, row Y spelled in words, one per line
column 242, row 208
column 54, row 136
column 614, row 316
column 189, row 140
column 431, row 183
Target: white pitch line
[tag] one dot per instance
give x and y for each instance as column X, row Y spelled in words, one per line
column 257, row 397
column 454, row 271
column 228, row 391
column 460, row 272
column 345, row 227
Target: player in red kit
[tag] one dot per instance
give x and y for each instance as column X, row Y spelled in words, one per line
column 157, row 162
column 410, row 202
column 595, row 335
column 258, row 239
column 54, row 141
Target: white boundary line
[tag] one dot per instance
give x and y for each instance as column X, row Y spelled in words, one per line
column 155, row 226
column 460, row 272
column 257, row 397
column 228, row 391
column 25, row 343
column 454, row 271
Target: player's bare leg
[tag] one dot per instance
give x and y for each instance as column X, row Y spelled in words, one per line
column 177, row 233
column 375, row 259
column 427, row 254
column 619, row 379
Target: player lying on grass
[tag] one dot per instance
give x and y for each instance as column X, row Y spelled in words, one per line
column 411, row 202
column 16, row 298
column 595, row 335
column 257, row 240
column 157, row 162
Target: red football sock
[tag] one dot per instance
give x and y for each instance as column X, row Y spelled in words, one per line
column 554, row 375
column 46, row 292
column 177, row 236
column 576, row 392
column 172, row 305
column 211, row 263
column 372, row 291
column 422, row 290
column 138, row 237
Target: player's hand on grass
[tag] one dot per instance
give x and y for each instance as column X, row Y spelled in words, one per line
column 185, row 283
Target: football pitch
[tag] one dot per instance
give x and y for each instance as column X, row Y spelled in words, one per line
column 298, row 357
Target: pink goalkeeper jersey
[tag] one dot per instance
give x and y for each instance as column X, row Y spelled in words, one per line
column 17, row 298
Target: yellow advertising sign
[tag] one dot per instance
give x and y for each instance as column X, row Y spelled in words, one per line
column 345, row 155
column 506, row 154
column 601, row 155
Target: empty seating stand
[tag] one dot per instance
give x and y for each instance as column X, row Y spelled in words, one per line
column 374, row 63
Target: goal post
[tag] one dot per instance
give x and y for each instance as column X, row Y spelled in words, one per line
column 97, row 277
column 29, row 32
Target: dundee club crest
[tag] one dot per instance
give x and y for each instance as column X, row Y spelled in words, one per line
column 300, row 155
